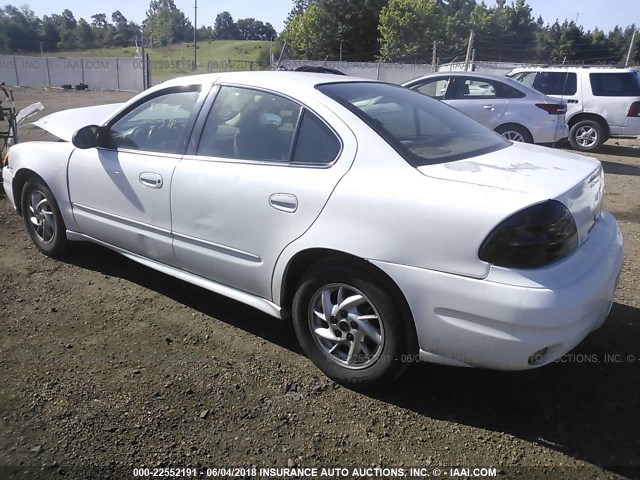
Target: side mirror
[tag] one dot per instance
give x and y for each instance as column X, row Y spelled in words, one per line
column 87, row 137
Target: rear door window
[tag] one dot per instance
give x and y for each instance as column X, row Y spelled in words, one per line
column 556, row 83
column 615, row 84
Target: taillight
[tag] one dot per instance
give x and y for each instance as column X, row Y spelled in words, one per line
column 553, row 108
column 634, row 110
column 531, row 238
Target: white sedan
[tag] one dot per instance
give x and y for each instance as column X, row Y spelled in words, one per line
column 388, row 226
column 516, row 111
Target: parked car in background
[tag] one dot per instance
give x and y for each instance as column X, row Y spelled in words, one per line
column 388, row 226
column 518, row 113
column 601, row 102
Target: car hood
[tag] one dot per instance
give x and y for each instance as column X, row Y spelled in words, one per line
column 67, row 122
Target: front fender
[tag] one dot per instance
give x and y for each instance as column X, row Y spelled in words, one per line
column 49, row 161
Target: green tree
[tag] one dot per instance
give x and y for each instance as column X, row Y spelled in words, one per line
column 225, row 28
column 299, row 7
column 322, row 26
column 408, row 29
column 313, row 34
column 165, row 23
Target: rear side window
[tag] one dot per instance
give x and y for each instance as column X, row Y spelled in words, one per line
column 615, row 84
column 527, row 78
column 556, row 83
column 422, row 130
column 316, row 143
column 434, row 88
column 507, row 91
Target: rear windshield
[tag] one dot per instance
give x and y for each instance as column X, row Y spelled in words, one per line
column 615, row 84
column 423, row 130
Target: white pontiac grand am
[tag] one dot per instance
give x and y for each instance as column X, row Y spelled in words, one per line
column 386, row 224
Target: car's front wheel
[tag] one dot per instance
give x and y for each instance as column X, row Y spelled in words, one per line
column 42, row 218
column 586, row 136
column 351, row 327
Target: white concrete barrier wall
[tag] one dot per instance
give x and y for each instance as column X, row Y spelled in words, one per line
column 385, row 72
column 8, row 73
column 108, row 73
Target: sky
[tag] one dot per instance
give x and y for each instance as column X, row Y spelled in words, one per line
column 590, row 13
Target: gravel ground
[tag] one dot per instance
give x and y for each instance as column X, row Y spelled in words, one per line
column 106, row 365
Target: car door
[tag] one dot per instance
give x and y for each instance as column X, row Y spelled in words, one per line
column 120, row 191
column 477, row 98
column 262, row 171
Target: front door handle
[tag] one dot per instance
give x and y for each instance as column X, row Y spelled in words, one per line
column 151, row 180
column 285, row 202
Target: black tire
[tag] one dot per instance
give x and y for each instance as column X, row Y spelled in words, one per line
column 385, row 360
column 587, row 135
column 42, row 218
column 515, row 133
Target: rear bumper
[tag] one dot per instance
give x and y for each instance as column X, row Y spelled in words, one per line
column 503, row 321
column 549, row 133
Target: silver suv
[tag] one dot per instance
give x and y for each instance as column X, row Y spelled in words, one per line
column 601, row 102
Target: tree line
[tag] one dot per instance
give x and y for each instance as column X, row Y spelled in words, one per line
column 21, row 31
column 405, row 31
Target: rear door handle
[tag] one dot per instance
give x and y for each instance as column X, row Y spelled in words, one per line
column 151, row 180
column 284, row 202
column 489, row 107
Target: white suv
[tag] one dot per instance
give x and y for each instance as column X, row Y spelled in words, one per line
column 601, row 102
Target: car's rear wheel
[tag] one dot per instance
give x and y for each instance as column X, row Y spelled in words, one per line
column 586, row 135
column 42, row 218
column 515, row 133
column 351, row 327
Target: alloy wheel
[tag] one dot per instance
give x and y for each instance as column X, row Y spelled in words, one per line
column 346, row 326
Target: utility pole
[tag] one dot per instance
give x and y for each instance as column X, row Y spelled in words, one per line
column 281, row 54
column 434, row 56
column 271, row 54
column 195, row 35
column 469, row 50
column 144, row 64
column 633, row 37
column 340, row 52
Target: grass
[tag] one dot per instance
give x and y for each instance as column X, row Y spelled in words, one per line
column 177, row 59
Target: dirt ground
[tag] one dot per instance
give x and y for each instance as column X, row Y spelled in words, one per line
column 106, row 365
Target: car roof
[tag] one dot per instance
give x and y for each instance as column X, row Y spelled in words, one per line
column 570, row 68
column 282, row 81
column 488, row 76
column 454, row 73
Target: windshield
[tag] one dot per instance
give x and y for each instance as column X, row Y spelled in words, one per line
column 424, row 131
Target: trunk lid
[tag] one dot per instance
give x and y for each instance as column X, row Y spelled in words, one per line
column 537, row 172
